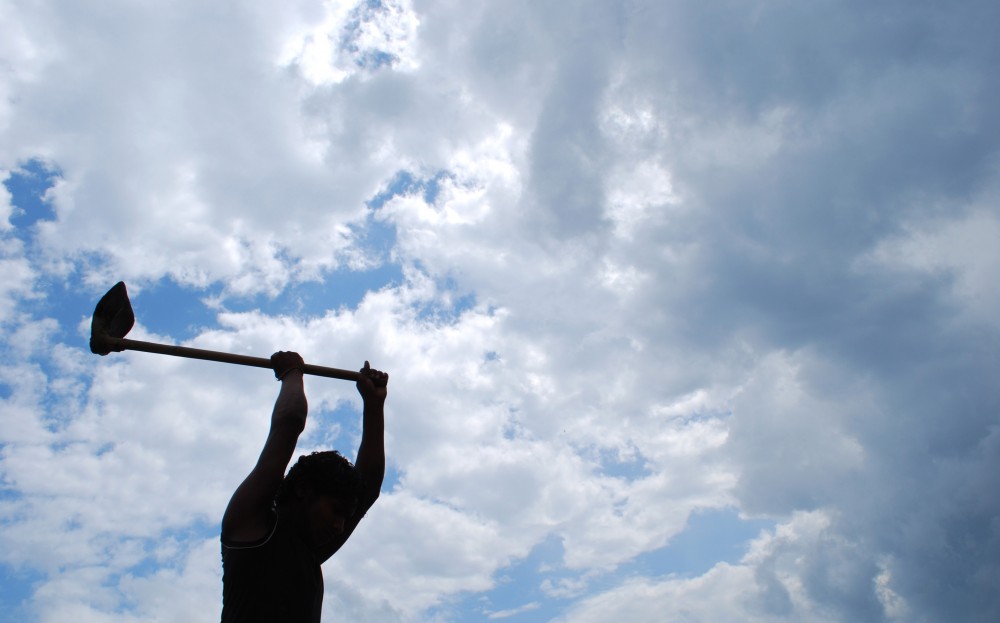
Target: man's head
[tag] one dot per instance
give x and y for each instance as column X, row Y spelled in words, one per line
column 325, row 488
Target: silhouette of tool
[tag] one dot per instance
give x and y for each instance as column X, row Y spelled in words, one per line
column 113, row 319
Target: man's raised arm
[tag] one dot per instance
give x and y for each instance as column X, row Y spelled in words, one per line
column 370, row 463
column 248, row 517
column 371, row 454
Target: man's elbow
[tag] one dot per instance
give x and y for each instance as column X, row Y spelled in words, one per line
column 370, row 494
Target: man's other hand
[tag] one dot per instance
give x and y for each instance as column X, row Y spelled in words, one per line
column 372, row 383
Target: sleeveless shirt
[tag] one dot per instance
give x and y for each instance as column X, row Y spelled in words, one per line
column 275, row 580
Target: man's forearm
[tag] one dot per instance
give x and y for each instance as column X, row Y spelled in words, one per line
column 371, row 453
column 291, row 407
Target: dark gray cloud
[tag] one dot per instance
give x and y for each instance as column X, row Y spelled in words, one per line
column 880, row 120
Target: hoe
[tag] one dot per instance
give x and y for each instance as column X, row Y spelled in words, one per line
column 113, row 319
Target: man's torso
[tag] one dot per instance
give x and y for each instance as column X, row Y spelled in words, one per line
column 275, row 580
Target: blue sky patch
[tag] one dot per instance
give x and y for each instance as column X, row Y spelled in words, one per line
column 16, row 587
column 376, row 238
column 614, row 465
column 64, row 299
column 340, row 429
column 406, row 183
column 353, row 30
column 27, row 186
column 340, row 289
column 517, row 590
column 711, row 536
column 169, row 308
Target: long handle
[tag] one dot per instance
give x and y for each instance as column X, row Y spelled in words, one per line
column 119, row 343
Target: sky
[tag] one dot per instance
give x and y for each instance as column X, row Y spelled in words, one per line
column 689, row 307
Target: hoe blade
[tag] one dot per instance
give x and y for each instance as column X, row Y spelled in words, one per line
column 113, row 317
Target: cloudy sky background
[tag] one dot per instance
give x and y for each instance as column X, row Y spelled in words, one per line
column 690, row 308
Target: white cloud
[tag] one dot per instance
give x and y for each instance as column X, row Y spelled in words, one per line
column 6, row 209
column 352, row 39
column 18, row 277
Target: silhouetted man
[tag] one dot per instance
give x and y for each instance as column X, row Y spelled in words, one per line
column 278, row 530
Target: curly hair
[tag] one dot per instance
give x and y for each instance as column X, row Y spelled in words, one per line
column 327, row 472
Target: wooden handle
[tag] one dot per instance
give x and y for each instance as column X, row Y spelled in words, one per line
column 119, row 344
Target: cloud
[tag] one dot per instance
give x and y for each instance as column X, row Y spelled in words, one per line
column 764, row 586
column 954, row 249
column 652, row 259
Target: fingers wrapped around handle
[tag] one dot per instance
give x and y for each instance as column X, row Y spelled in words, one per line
column 372, row 383
column 283, row 362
